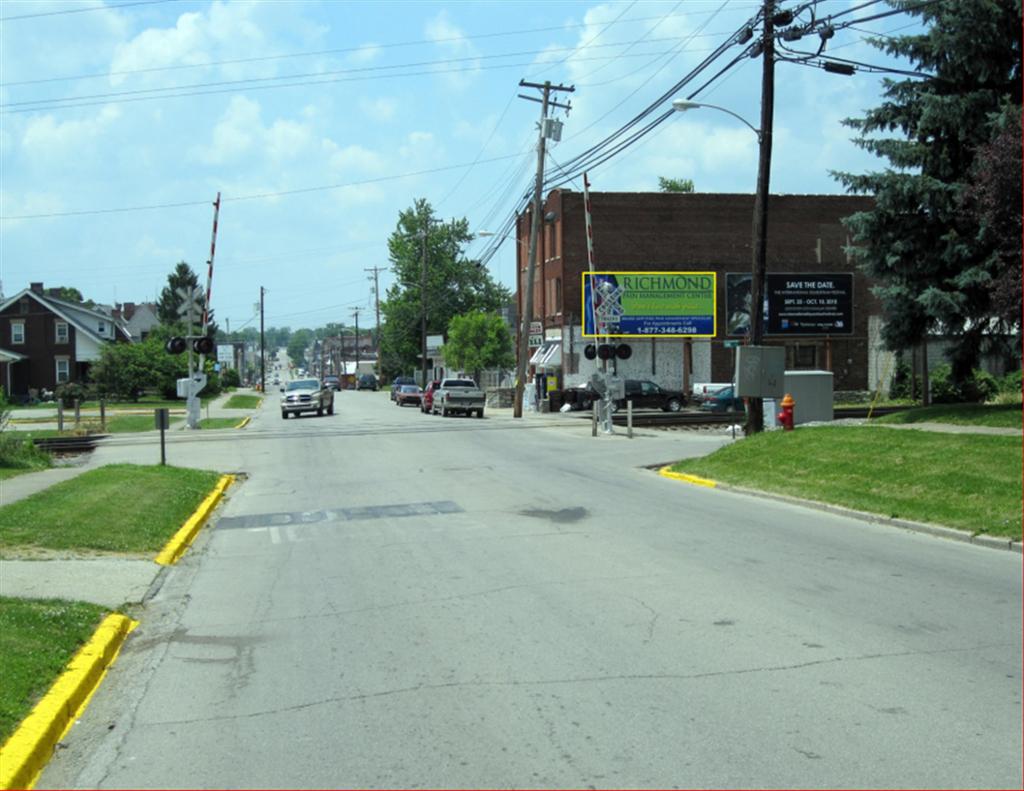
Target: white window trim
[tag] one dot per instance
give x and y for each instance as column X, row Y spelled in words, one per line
column 17, row 325
column 67, row 369
column 67, row 332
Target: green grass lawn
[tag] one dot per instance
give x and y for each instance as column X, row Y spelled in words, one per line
column 242, row 401
column 967, row 481
column 219, row 422
column 995, row 415
column 37, row 639
column 117, row 508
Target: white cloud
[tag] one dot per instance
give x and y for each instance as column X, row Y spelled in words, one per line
column 453, row 44
column 366, row 53
column 354, row 159
column 46, row 138
column 241, row 135
column 382, row 109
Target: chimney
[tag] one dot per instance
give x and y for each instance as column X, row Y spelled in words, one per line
column 129, row 310
column 36, row 288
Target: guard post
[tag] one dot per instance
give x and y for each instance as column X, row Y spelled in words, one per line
column 163, row 420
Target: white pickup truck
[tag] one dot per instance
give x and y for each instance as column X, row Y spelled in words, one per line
column 458, row 396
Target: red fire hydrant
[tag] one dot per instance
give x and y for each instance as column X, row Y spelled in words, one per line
column 786, row 415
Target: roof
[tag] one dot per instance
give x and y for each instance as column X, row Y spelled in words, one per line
column 72, row 312
column 10, row 357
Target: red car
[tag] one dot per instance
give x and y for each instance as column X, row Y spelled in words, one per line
column 408, row 394
column 427, row 401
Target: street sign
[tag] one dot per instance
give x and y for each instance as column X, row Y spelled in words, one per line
column 646, row 304
column 191, row 301
column 732, row 344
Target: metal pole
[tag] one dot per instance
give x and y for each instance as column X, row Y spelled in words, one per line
column 593, row 418
column 629, row 419
column 60, row 415
column 755, row 417
column 103, row 414
column 531, row 266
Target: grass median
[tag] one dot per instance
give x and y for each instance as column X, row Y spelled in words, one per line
column 967, row 481
column 991, row 415
column 241, row 401
column 120, row 508
column 38, row 637
column 220, row 422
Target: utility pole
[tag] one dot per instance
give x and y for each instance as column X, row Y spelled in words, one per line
column 376, row 296
column 355, row 313
column 423, row 306
column 755, row 416
column 263, row 353
column 527, row 302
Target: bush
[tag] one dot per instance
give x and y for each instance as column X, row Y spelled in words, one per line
column 69, row 392
column 981, row 387
column 1011, row 383
column 15, row 451
column 902, row 385
column 229, row 378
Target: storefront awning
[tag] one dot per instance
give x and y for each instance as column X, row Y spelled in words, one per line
column 548, row 355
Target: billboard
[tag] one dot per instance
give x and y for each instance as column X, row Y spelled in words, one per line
column 649, row 304
column 795, row 303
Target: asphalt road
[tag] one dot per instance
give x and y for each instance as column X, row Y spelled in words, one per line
column 397, row 600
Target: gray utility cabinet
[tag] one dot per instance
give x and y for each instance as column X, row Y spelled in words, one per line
column 812, row 394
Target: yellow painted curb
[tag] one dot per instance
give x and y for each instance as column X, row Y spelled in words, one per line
column 682, row 476
column 25, row 754
column 244, row 423
column 181, row 540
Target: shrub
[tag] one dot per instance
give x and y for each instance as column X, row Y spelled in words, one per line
column 69, row 392
column 981, row 386
column 1011, row 383
column 229, row 378
column 902, row 381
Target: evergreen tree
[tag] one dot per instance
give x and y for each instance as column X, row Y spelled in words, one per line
column 935, row 261
column 170, row 301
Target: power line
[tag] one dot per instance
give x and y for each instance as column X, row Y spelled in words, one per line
column 84, row 10
column 314, row 53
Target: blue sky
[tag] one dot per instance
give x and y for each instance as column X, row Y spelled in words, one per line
column 319, row 121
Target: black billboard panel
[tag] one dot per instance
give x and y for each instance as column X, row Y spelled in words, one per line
column 809, row 303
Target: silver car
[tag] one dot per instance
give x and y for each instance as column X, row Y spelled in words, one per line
column 306, row 395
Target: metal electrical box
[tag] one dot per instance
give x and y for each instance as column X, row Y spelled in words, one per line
column 812, row 392
column 759, row 371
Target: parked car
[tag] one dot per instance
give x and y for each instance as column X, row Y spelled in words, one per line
column 458, row 396
column 409, row 394
column 306, row 395
column 428, row 396
column 367, row 382
column 644, row 394
column 332, row 382
column 722, row 400
column 399, row 381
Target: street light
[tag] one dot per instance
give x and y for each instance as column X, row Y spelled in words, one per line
column 682, row 105
column 755, row 420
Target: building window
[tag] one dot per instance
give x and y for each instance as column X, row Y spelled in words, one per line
column 62, row 331
column 558, row 296
column 63, row 369
column 102, row 326
column 17, row 332
column 802, row 357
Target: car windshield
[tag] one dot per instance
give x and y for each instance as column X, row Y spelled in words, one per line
column 725, row 392
column 459, row 383
column 410, row 389
column 303, row 384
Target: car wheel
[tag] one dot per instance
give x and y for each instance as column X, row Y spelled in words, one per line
column 480, row 413
column 319, row 411
column 674, row 405
column 330, row 409
column 444, row 412
column 586, row 404
column 284, row 415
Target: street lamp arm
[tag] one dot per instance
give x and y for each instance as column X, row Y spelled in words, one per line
column 682, row 106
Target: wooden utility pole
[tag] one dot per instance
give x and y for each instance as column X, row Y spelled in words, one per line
column 376, row 296
column 355, row 313
column 527, row 301
column 755, row 414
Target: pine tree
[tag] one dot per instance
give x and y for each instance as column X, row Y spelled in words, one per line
column 933, row 259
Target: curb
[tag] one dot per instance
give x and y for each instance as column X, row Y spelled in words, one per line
column 25, row 754
column 940, row 531
column 244, row 423
column 181, row 540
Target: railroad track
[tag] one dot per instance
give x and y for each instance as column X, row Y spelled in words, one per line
column 82, row 444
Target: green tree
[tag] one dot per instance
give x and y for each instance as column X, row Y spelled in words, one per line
column 935, row 264
column 170, row 301
column 477, row 341
column 297, row 345
column 124, row 370
column 675, row 185
column 455, row 285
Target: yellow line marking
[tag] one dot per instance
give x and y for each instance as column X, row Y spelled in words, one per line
column 25, row 754
column 181, row 540
column 683, row 476
column 244, row 423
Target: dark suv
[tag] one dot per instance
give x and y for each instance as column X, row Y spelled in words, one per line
column 643, row 393
column 367, row 382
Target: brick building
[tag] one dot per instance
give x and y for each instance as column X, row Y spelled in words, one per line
column 693, row 232
column 48, row 341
